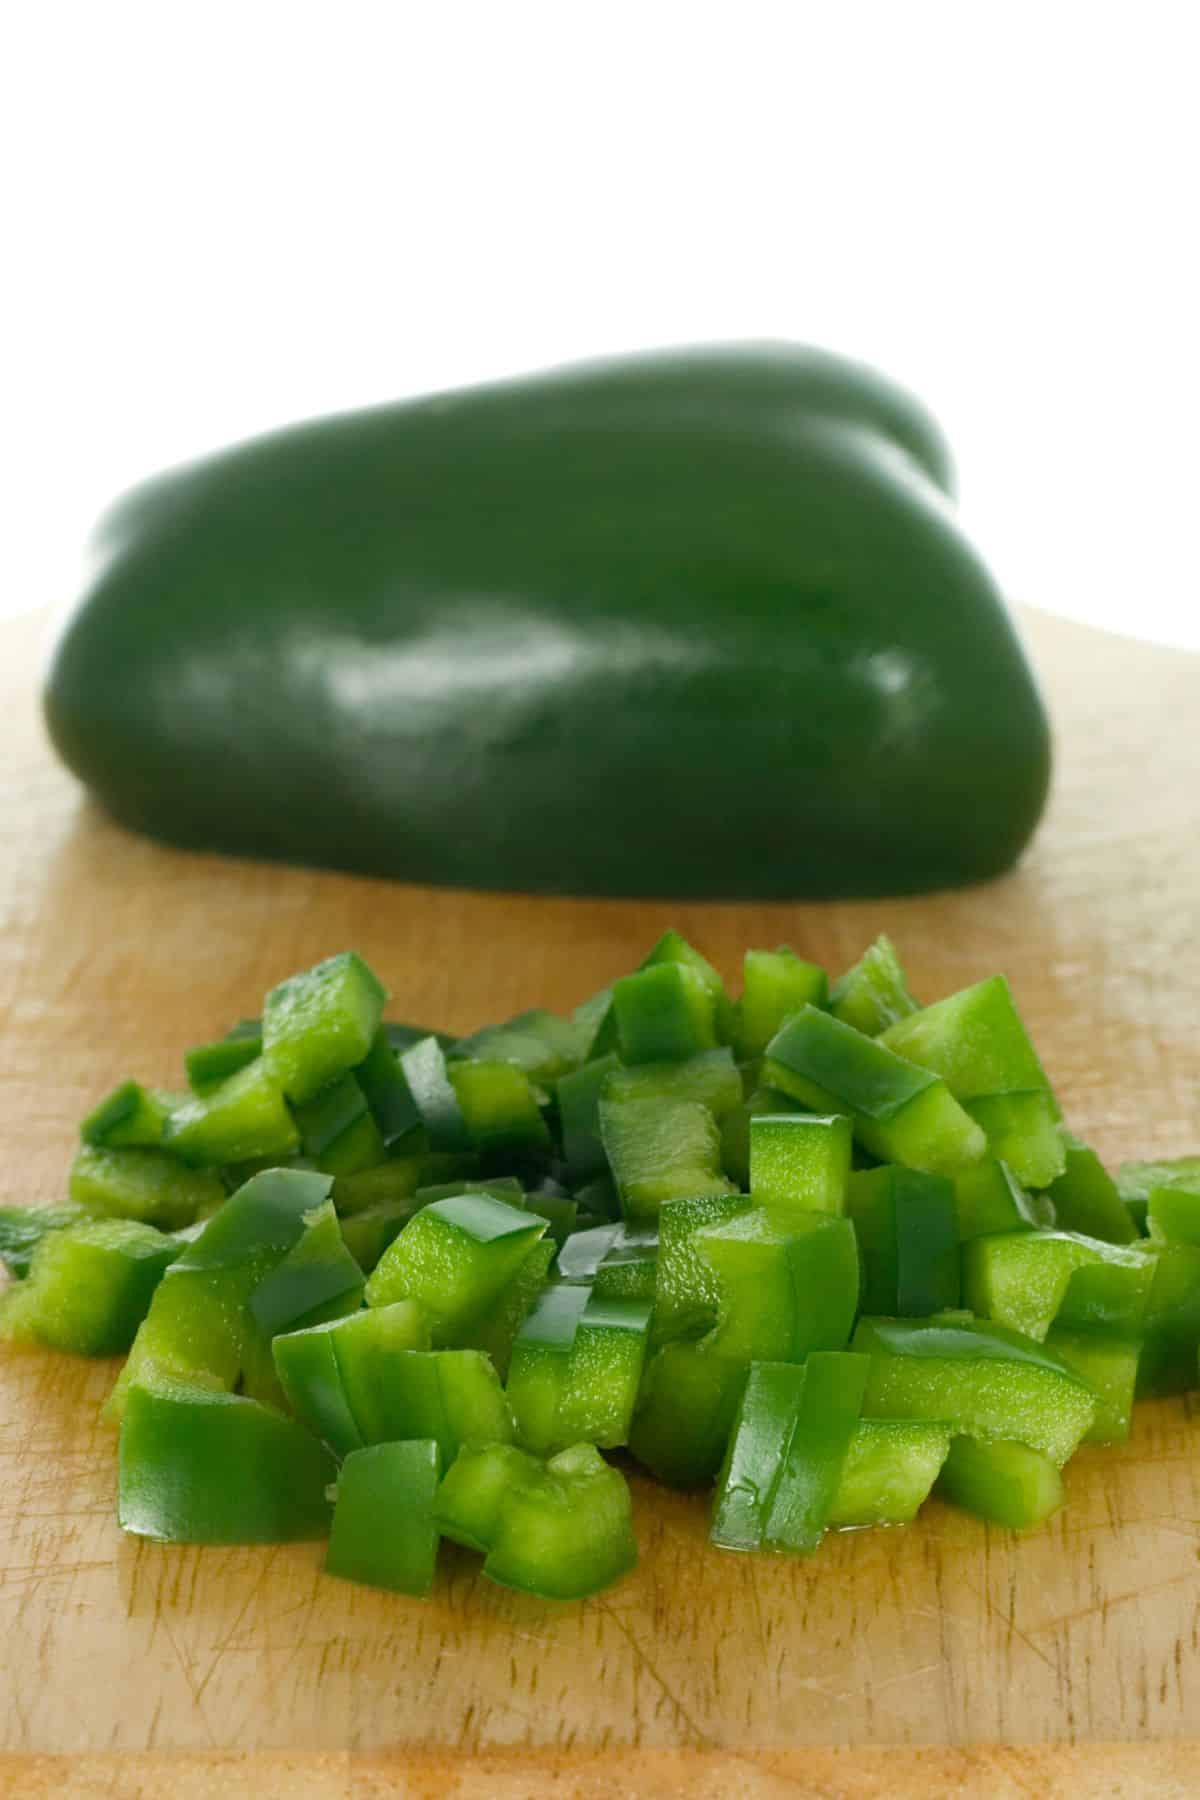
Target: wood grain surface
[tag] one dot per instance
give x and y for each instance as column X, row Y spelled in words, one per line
column 703, row 1673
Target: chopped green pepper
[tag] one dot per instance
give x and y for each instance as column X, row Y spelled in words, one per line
column 776, row 983
column 890, row 1466
column 1085, row 1197
column 131, row 1116
column 199, row 1466
column 1006, row 1482
column 660, row 1152
column 873, row 994
column 783, row 1292
column 384, row 1532
column 799, row 1162
column 576, row 1366
column 907, row 1230
column 902, row 1113
column 664, row 1013
column 88, row 1288
column 147, row 1185
column 318, row 1025
column 456, row 1257
column 245, row 1117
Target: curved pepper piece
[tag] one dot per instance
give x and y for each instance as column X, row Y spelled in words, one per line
column 696, row 622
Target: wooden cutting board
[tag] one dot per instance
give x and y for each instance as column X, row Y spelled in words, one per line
column 892, row 1662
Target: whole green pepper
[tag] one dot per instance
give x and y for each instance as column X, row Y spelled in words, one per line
column 720, row 592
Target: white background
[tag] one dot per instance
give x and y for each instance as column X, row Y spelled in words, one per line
column 222, row 216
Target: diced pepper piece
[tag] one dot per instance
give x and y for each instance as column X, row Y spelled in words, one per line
column 322, row 1120
column 1022, row 1280
column 1109, row 1365
column 687, row 1291
column 568, row 1534
column 890, row 1467
column 1171, row 1326
column 246, row 1117
column 735, row 1128
column 132, row 1115
column 685, row 1412
column 981, row 1379
column 711, row 1077
column 902, row 1113
column 423, row 1066
column 597, row 1025
column 1002, row 1481
column 1085, row 1197
column 456, row 1257
column 874, row 993
column 199, row 1323
column 208, row 1065
column 575, row 1370
column 319, row 1024
column 543, row 1045
column 989, row 1198
column 397, row 1179
column 22, row 1229
column 475, row 1487
column 663, row 1013
column 367, row 1234
column 266, row 1216
column 384, row 1532
column 776, row 983
column 339, row 1376
column 381, row 1082
column 89, row 1287
column 783, row 1293
column 1173, row 1215
column 1023, row 1131
column 499, row 1106
column 147, row 1185
column 629, row 1268
column 907, row 1228
column 975, row 1040
column 317, row 1279
column 578, row 1097
column 496, row 1332
column 787, row 1452
column 199, row 1466
column 673, row 947
column 799, row 1162
column 358, row 1148
column 660, row 1151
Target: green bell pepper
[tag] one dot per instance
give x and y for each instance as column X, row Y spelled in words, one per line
column 660, row 1151
column 687, row 1291
column 982, row 1379
column 130, row 1116
column 664, row 1013
column 208, row 1065
column 1109, row 1365
column 873, row 994
column 148, row 1185
column 622, row 574
column 1085, row 1197
column 1006, row 1482
column 1029, row 1279
column 907, row 1229
column 575, row 1370
column 199, row 1466
column 783, row 1292
column 890, row 1467
column 383, row 1531
column 787, row 1452
column 775, row 984
column 902, row 1113
column 799, row 1162
column 988, row 1198
column 245, row 1118
column 22, row 1229
column 561, row 1529
column 88, row 1288
column 319, row 1024
column 685, row 1412
column 543, row 1045
column 456, row 1257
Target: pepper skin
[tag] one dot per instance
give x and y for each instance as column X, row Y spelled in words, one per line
column 697, row 623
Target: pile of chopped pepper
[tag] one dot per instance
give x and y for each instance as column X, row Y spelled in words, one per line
column 824, row 1247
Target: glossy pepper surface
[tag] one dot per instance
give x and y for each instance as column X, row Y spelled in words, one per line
column 720, row 592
